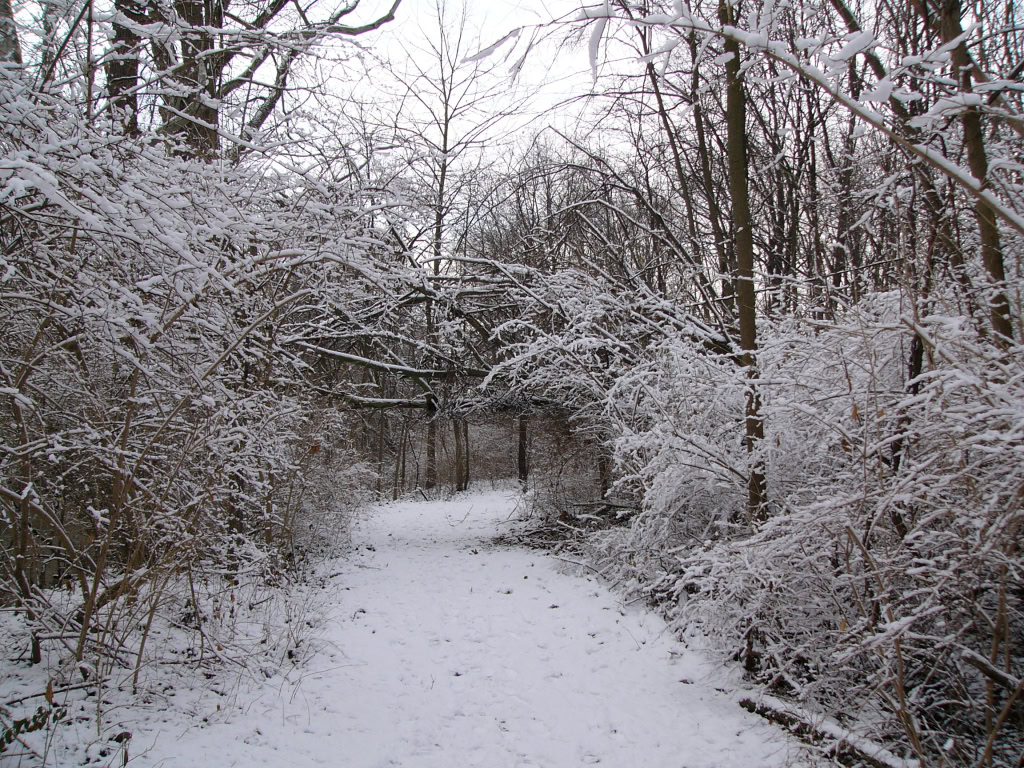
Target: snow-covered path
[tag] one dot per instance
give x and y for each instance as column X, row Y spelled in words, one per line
column 448, row 651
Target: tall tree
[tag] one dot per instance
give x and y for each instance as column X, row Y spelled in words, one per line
column 451, row 105
column 952, row 34
column 743, row 234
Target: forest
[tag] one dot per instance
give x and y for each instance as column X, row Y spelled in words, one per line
column 741, row 315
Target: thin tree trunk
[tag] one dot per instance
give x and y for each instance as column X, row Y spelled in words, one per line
column 430, row 471
column 399, row 478
column 950, row 29
column 604, row 472
column 735, row 113
column 465, row 452
column 381, row 431
column 460, row 448
column 991, row 247
column 404, row 455
column 268, row 513
column 122, row 67
column 522, row 464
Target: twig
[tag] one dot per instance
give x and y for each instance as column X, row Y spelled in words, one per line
column 79, row 686
column 581, row 565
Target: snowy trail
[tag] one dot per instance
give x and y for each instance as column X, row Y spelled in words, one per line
column 446, row 650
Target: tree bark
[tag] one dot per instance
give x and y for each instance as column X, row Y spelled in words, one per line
column 122, row 67
column 381, row 434
column 398, row 484
column 430, row 471
column 460, row 448
column 465, row 452
column 522, row 463
column 950, row 29
column 735, row 115
column 10, row 48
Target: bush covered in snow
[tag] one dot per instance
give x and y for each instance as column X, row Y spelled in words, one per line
column 883, row 589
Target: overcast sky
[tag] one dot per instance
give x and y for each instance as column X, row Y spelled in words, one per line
column 489, row 21
column 494, row 18
column 553, row 75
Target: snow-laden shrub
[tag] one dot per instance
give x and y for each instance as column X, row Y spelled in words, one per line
column 683, row 442
column 884, row 587
column 160, row 427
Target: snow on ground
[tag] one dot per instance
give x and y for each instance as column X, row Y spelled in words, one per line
column 440, row 648
column 446, row 650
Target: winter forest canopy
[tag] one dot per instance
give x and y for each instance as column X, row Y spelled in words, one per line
column 747, row 326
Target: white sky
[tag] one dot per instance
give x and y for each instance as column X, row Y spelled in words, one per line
column 564, row 72
column 557, row 75
column 494, row 18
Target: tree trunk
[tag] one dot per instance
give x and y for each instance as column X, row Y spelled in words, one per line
column 604, row 472
column 735, row 114
column 381, row 434
column 122, row 67
column 465, row 453
column 460, row 450
column 950, row 29
column 430, row 471
column 399, row 479
column 522, row 464
column 192, row 112
column 10, row 48
column 268, row 513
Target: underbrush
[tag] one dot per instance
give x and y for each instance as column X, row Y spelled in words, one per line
column 881, row 596
column 172, row 657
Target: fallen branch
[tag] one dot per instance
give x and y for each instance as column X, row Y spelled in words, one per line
column 992, row 672
column 54, row 692
column 846, row 748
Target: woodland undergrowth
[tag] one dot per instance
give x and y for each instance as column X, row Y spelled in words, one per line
column 169, row 476
column 882, row 592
